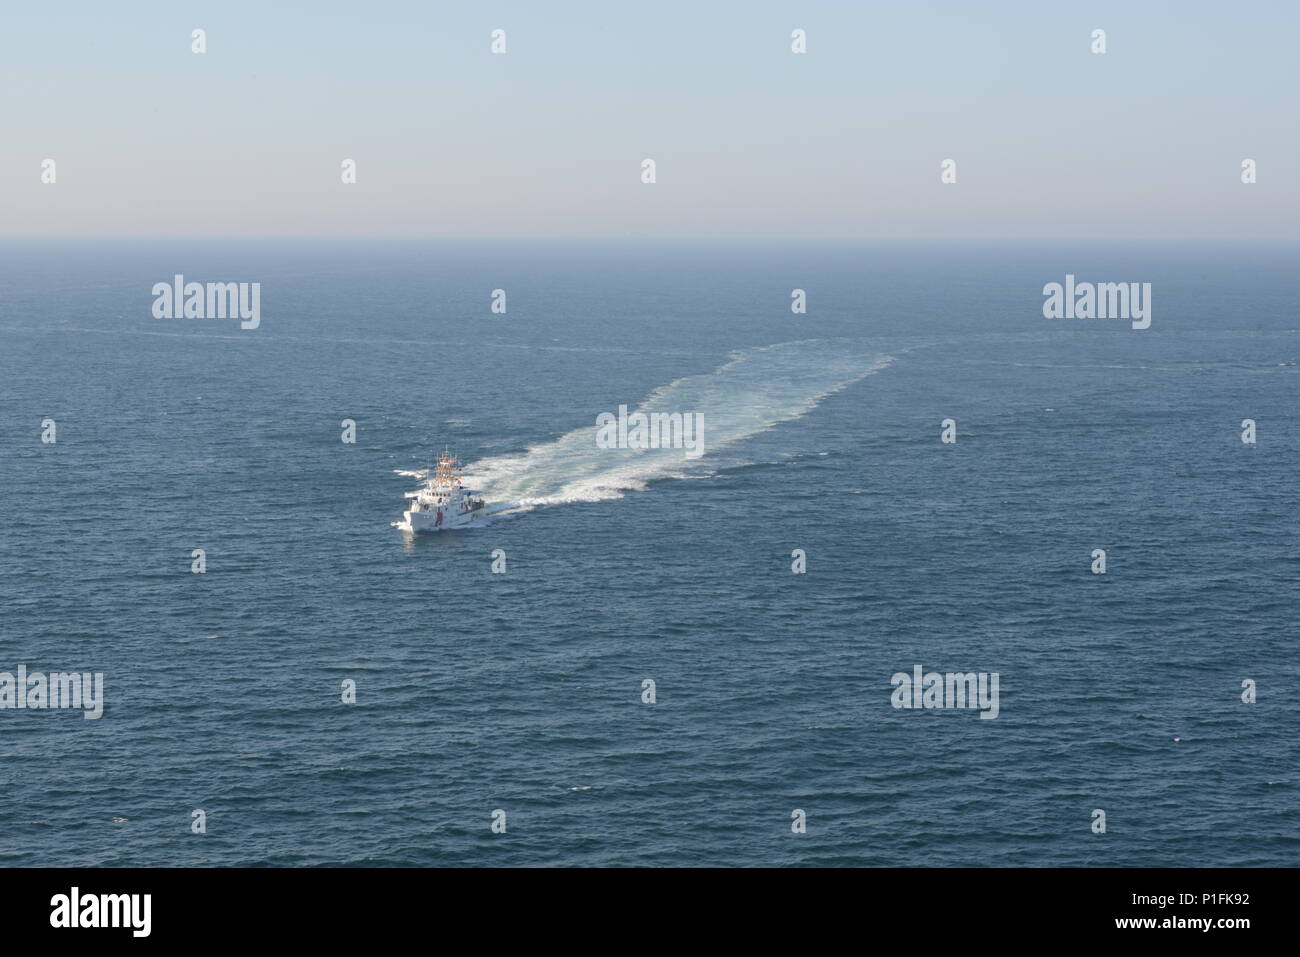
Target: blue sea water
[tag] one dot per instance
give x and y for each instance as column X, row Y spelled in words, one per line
column 522, row 691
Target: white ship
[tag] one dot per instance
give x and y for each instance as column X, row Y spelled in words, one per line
column 444, row 502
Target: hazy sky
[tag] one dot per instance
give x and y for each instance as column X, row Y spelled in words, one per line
column 1050, row 139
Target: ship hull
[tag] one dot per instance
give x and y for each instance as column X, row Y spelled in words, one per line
column 428, row 521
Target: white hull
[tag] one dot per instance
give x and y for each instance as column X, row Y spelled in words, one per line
column 428, row 521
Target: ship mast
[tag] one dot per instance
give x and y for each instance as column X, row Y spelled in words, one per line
column 444, row 475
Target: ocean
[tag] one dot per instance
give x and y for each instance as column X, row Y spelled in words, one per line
column 525, row 691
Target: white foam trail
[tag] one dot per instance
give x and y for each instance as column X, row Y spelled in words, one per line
column 754, row 391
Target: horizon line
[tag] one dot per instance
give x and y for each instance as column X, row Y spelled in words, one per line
column 620, row 237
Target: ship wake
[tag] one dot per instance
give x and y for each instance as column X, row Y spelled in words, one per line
column 753, row 391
